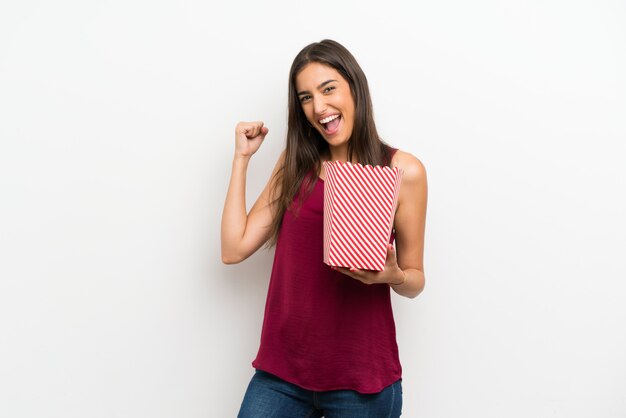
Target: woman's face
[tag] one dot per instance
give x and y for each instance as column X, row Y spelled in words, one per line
column 324, row 94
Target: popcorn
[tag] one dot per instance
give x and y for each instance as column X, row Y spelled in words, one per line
column 359, row 207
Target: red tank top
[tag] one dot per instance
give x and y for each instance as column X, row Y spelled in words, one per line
column 324, row 330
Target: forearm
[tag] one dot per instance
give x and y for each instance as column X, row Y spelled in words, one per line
column 413, row 285
column 234, row 216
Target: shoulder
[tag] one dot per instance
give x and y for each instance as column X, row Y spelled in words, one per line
column 282, row 156
column 413, row 170
column 274, row 183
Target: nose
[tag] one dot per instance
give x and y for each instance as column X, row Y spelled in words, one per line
column 319, row 106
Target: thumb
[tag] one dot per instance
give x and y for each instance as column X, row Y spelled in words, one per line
column 391, row 253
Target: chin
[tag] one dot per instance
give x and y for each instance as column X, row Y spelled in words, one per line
column 337, row 142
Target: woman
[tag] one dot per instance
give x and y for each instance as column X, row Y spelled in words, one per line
column 328, row 344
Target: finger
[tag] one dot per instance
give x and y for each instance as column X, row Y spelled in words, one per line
column 262, row 133
column 252, row 129
column 391, row 254
column 342, row 269
column 345, row 270
column 258, row 125
column 247, row 130
column 356, row 274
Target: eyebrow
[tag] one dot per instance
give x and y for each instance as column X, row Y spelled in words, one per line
column 318, row 87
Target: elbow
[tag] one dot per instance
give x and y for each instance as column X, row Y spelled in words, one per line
column 232, row 256
column 230, row 259
column 229, row 254
column 420, row 287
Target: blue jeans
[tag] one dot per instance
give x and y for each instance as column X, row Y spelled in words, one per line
column 268, row 396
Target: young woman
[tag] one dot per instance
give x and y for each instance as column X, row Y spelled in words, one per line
column 328, row 344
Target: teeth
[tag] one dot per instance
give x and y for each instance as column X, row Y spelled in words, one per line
column 328, row 119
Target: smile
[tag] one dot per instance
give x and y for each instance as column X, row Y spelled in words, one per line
column 331, row 124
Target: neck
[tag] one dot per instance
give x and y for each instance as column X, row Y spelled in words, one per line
column 339, row 153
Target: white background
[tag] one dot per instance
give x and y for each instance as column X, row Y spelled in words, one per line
column 117, row 127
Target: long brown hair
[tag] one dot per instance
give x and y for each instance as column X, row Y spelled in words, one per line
column 305, row 144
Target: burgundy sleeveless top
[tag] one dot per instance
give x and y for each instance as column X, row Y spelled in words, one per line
column 324, row 330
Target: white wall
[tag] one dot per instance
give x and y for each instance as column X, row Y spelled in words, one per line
column 116, row 128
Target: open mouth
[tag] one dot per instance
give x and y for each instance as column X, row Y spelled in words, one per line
column 332, row 126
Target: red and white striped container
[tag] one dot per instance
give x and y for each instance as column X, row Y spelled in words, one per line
column 359, row 207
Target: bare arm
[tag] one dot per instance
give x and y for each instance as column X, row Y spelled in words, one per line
column 404, row 267
column 410, row 222
column 244, row 233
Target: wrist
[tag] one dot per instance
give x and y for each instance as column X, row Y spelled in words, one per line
column 239, row 157
column 240, row 163
column 403, row 279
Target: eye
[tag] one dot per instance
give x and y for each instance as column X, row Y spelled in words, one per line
column 303, row 98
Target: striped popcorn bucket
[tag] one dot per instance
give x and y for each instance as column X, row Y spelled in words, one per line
column 359, row 207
